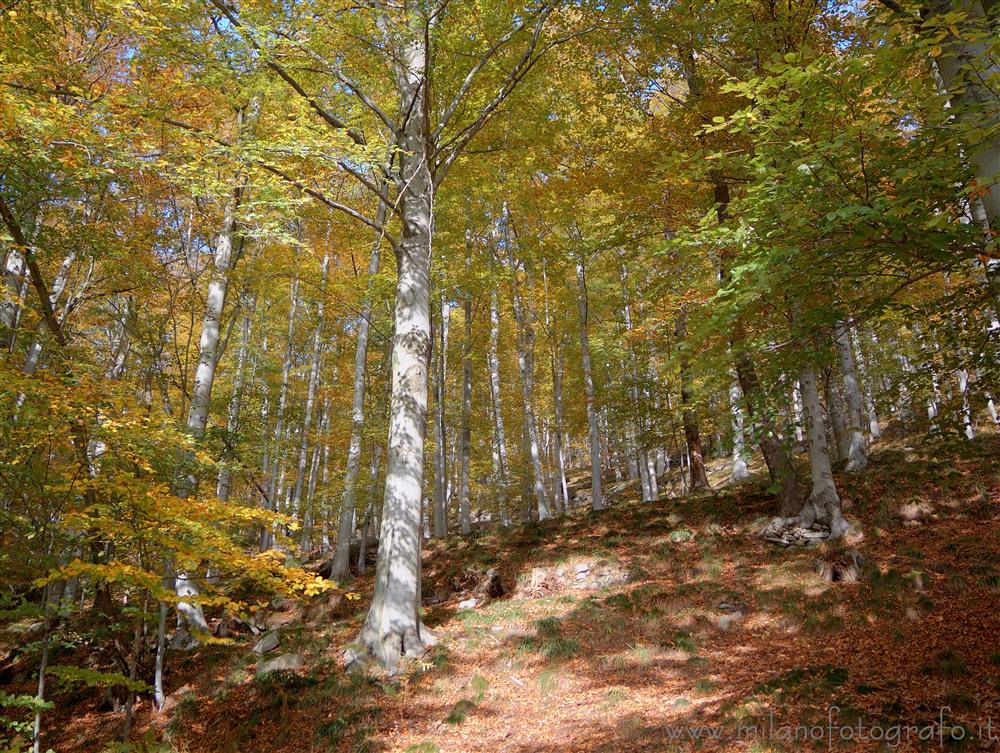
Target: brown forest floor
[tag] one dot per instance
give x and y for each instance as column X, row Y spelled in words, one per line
column 646, row 666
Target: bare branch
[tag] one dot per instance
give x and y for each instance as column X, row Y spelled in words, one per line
column 332, row 120
column 463, row 89
column 454, row 147
column 344, row 79
column 291, row 180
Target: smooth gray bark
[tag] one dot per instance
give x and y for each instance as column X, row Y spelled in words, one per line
column 348, row 502
column 970, row 74
column 739, row 471
column 871, row 407
column 441, row 483
column 298, row 505
column 823, row 504
column 597, row 496
column 188, row 606
column 393, row 628
column 275, row 482
column 560, row 485
column 465, row 438
column 526, row 367
column 225, row 480
column 857, row 455
column 500, row 463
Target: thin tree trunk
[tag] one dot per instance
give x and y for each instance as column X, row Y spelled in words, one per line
column 526, row 365
column 301, row 509
column 43, row 666
column 596, row 492
column 159, row 697
column 560, row 485
column 348, row 503
column 225, row 481
column 501, row 463
column 441, row 484
column 692, row 434
column 857, row 455
column 560, row 444
column 274, row 485
column 466, row 429
column 739, row 471
column 188, row 606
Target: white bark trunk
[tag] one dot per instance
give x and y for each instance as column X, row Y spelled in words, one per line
column 225, row 480
column 797, row 417
column 34, row 354
column 857, row 455
column 739, row 471
column 501, row 463
column 298, row 505
column 441, row 481
column 969, row 71
column 348, row 503
column 10, row 303
column 871, row 408
column 466, row 429
column 823, row 505
column 188, row 606
column 208, row 348
column 556, row 362
column 526, row 366
column 392, row 627
column 597, row 496
column 276, row 475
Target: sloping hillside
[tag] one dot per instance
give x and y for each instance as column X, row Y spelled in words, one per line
column 715, row 641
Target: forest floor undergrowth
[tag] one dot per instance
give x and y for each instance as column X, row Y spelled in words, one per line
column 717, row 641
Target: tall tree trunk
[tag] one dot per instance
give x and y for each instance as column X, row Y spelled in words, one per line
column 298, row 507
column 208, row 349
column 274, row 485
column 526, row 365
column 556, row 362
column 839, row 432
column 692, row 434
column 348, row 503
column 440, row 426
column 392, row 628
column 225, row 480
column 501, row 463
column 871, row 408
column 465, row 439
column 596, row 492
column 560, row 442
column 188, row 605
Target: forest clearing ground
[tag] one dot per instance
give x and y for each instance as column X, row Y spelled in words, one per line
column 714, row 630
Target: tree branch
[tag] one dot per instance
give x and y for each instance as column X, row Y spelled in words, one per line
column 293, row 181
column 332, row 120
